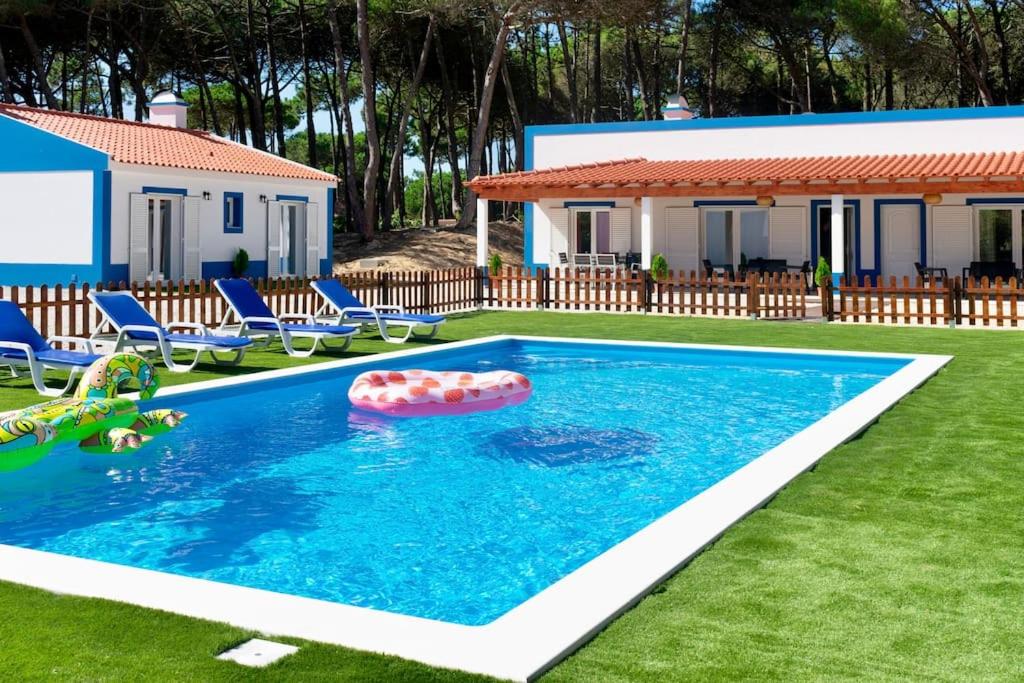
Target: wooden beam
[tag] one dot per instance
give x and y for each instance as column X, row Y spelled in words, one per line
column 536, row 192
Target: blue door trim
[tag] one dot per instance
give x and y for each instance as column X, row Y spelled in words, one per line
column 574, row 205
column 165, row 190
column 292, row 198
column 971, row 201
column 725, row 202
column 922, row 227
column 855, row 203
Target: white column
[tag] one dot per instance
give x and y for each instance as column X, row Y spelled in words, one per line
column 481, row 231
column 838, row 240
column 646, row 232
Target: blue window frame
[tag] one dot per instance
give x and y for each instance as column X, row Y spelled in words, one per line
column 233, row 212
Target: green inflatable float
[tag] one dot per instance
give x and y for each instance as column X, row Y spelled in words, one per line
column 95, row 416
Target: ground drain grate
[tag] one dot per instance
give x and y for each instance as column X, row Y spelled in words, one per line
column 258, row 653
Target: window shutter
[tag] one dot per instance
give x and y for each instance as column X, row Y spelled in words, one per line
column 312, row 240
column 559, row 233
column 787, row 234
column 952, row 238
column 621, row 230
column 682, row 246
column 138, row 238
column 192, row 267
column 273, row 239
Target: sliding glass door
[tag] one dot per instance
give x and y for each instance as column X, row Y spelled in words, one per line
column 734, row 235
column 592, row 231
column 998, row 230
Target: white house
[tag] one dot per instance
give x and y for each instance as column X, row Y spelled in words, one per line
column 86, row 198
column 874, row 193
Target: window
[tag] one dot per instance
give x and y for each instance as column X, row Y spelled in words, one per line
column 718, row 237
column 233, row 212
column 754, row 241
column 995, row 235
column 724, row 229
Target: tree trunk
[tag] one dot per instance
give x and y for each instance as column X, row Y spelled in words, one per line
column 713, row 59
column 114, row 73
column 569, row 62
column 550, row 69
column 239, row 116
column 684, row 43
column 890, row 93
column 869, row 87
column 369, row 119
column 1009, row 88
column 595, row 72
column 307, row 86
column 355, row 201
column 450, row 130
column 486, row 97
column 275, row 86
column 86, row 60
column 6, row 93
column 37, row 63
column 395, row 179
column 641, row 77
column 517, row 120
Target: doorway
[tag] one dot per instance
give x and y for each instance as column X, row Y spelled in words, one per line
column 901, row 240
column 163, row 238
column 825, row 238
column 293, row 238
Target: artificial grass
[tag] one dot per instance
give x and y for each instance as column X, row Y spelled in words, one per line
column 899, row 556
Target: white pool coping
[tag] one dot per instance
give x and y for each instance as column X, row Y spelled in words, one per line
column 531, row 638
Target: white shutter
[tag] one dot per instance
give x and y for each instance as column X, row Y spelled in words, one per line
column 621, row 230
column 192, row 264
column 681, row 245
column 312, row 240
column 952, row 238
column 559, row 234
column 273, row 239
column 788, row 234
column 138, row 238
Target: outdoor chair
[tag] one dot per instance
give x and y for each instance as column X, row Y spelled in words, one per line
column 257, row 321
column 22, row 347
column 136, row 329
column 347, row 309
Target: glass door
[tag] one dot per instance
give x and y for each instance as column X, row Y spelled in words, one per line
column 825, row 238
column 736, row 235
column 293, row 238
column 164, row 236
column 996, row 228
column 592, row 231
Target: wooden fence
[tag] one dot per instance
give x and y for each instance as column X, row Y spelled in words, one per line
column 906, row 301
column 66, row 309
column 685, row 294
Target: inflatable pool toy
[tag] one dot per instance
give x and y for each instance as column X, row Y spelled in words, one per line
column 95, row 416
column 421, row 393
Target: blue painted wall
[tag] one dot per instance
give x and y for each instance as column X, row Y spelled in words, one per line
column 26, row 149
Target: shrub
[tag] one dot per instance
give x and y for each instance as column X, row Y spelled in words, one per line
column 494, row 263
column 240, row 264
column 659, row 267
column 822, row 273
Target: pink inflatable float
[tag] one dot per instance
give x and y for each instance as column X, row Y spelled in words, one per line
column 419, row 393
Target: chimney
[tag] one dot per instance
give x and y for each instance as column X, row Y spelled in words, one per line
column 167, row 109
column 677, row 108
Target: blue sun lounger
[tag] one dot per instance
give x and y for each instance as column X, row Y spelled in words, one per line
column 256, row 320
column 137, row 329
column 347, row 309
column 22, row 347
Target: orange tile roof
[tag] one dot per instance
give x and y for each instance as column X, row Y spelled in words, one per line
column 862, row 168
column 131, row 142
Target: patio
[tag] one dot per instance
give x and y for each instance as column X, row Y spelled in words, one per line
column 856, row 568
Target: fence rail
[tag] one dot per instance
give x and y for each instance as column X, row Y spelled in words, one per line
column 972, row 302
column 66, row 310
column 686, row 294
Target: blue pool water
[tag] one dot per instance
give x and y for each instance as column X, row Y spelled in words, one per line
column 281, row 486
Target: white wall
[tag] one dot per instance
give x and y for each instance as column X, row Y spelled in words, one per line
column 47, row 217
column 217, row 245
column 916, row 137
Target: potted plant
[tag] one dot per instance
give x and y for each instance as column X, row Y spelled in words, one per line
column 494, row 264
column 240, row 264
column 822, row 276
column 659, row 267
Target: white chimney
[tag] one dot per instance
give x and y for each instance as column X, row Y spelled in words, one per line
column 677, row 108
column 167, row 109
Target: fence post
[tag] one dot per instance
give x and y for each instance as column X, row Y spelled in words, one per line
column 646, row 291
column 384, row 288
column 753, row 296
column 955, row 309
column 478, row 287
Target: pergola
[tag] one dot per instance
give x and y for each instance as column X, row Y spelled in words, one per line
column 926, row 175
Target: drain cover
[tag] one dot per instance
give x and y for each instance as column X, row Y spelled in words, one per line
column 258, row 653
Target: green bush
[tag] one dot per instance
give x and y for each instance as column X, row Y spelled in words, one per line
column 494, row 263
column 240, row 264
column 659, row 267
column 822, row 274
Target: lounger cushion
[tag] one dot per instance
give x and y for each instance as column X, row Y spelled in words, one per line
column 246, row 301
column 210, row 339
column 57, row 357
column 15, row 327
column 401, row 318
column 337, row 293
column 298, row 328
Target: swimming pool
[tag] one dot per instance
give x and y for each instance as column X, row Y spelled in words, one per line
column 279, row 485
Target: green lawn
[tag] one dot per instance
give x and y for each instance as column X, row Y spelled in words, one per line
column 900, row 556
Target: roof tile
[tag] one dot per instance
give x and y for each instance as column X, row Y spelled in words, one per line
column 131, row 142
